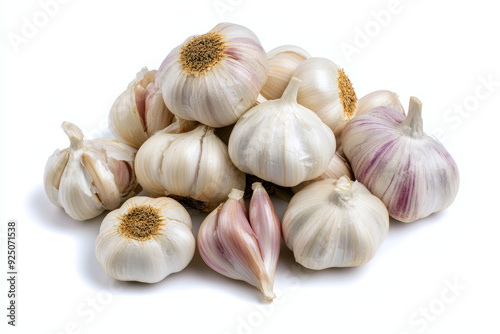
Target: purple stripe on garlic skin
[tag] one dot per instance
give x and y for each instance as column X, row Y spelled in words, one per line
column 240, row 246
column 412, row 173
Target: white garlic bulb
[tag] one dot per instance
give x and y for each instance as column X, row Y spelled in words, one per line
column 281, row 141
column 334, row 223
column 412, row 173
column 243, row 246
column 327, row 91
column 139, row 111
column 193, row 167
column 89, row 176
column 283, row 61
column 145, row 240
column 214, row 78
column 337, row 168
column 377, row 99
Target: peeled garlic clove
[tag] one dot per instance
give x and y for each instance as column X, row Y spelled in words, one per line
column 337, row 168
column 412, row 173
column 241, row 249
column 281, row 141
column 283, row 61
column 139, row 111
column 193, row 167
column 89, row 177
column 333, row 223
column 214, row 78
column 145, row 240
column 377, row 99
column 327, row 91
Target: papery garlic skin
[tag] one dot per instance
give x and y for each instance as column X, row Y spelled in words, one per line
column 281, row 141
column 412, row 173
column 243, row 247
column 214, row 78
column 139, row 111
column 334, row 223
column 193, row 167
column 158, row 240
column 337, row 168
column 327, row 91
column 283, row 61
column 377, row 99
column 90, row 176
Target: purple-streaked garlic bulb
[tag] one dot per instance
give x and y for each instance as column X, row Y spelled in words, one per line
column 243, row 246
column 139, row 111
column 411, row 172
column 214, row 78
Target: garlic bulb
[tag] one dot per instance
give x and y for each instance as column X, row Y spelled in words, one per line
column 193, row 167
column 139, row 111
column 337, row 168
column 241, row 246
column 327, row 91
column 89, row 176
column 333, row 223
column 145, row 240
column 377, row 99
column 281, row 141
column 412, row 173
column 283, row 61
column 214, row 78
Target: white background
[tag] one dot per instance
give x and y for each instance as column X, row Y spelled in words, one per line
column 75, row 65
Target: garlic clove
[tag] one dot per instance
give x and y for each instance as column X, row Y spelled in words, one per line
column 241, row 249
column 379, row 98
column 139, row 111
column 216, row 77
column 283, row 61
column 327, row 91
column 145, row 240
column 412, row 173
column 52, row 177
column 103, row 180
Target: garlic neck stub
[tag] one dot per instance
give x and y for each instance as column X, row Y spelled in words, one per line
column 90, row 176
column 412, row 173
column 139, row 111
column 145, row 240
column 334, row 223
column 327, row 91
column 214, row 78
column 377, row 99
column 192, row 167
column 281, row 141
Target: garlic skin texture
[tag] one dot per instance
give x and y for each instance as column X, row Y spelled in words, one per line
column 243, row 246
column 281, row 141
column 139, row 111
column 337, row 168
column 283, row 61
column 191, row 165
column 327, row 91
column 412, row 173
column 90, row 176
column 377, row 99
column 334, row 223
column 145, row 240
column 214, row 78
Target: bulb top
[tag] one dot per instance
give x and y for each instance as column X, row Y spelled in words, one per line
column 347, row 94
column 141, row 223
column 201, row 53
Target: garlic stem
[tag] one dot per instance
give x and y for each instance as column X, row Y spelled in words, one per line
column 74, row 134
column 291, row 91
column 413, row 123
column 343, row 191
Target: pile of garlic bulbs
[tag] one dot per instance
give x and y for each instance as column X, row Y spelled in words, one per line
column 220, row 112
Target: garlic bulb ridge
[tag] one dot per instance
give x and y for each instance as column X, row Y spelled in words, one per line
column 89, row 176
column 281, row 141
column 412, row 173
column 379, row 98
column 214, row 78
